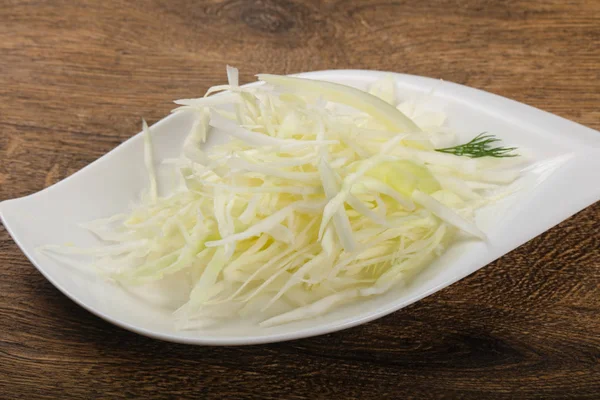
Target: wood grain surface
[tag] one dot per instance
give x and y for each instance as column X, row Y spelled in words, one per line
column 77, row 76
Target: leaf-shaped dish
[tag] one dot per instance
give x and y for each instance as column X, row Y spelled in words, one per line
column 567, row 183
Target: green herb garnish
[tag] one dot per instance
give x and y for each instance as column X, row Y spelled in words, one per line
column 480, row 146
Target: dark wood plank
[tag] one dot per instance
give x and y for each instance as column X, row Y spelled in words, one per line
column 76, row 77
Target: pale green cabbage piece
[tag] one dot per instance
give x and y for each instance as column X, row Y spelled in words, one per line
column 304, row 209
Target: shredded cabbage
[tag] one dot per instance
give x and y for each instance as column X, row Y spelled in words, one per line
column 307, row 206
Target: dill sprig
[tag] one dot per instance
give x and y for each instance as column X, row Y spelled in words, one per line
column 480, row 146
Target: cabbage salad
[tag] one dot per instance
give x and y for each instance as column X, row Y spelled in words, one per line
column 322, row 195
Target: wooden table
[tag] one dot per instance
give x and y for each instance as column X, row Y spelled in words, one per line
column 75, row 79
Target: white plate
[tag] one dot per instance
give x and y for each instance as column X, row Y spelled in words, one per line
column 108, row 185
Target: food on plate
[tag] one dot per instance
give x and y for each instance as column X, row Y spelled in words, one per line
column 322, row 194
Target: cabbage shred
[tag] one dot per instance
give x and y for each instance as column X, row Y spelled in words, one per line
column 323, row 194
